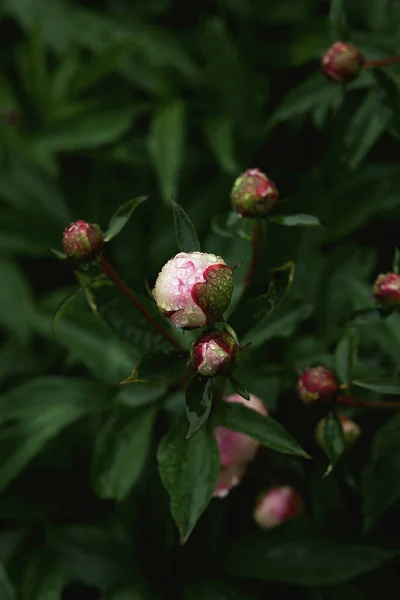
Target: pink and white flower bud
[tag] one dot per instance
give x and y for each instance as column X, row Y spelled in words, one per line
column 317, row 384
column 253, row 194
column 387, row 289
column 193, row 289
column 342, row 62
column 351, row 431
column 215, row 353
column 278, row 505
column 83, row 241
column 236, row 450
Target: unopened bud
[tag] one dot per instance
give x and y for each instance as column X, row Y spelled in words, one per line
column 253, row 194
column 317, row 384
column 236, row 450
column 351, row 431
column 342, row 62
column 83, row 241
column 278, row 505
column 387, row 289
column 193, row 289
column 215, row 353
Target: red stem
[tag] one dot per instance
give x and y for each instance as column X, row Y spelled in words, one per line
column 111, row 274
column 256, row 249
column 348, row 400
column 382, row 62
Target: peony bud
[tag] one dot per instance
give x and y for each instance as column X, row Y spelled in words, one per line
column 253, row 194
column 342, row 62
column 351, row 431
column 215, row 353
column 387, row 289
column 83, row 241
column 236, row 450
column 278, row 505
column 193, row 289
column 316, row 384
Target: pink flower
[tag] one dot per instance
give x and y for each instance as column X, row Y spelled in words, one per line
column 387, row 289
column 342, row 62
column 316, row 384
column 83, row 241
column 236, row 450
column 193, row 289
column 253, row 194
column 278, row 505
column 215, row 353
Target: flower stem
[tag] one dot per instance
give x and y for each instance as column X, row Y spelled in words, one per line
column 382, row 62
column 256, row 249
column 111, row 274
column 349, row 401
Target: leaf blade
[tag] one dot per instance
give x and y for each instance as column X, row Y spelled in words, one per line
column 122, row 216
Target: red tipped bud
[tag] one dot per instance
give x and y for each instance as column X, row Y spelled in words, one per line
column 236, row 450
column 342, row 62
column 253, row 194
column 351, row 431
column 278, row 505
column 193, row 289
column 215, row 353
column 83, row 241
column 387, row 289
column 317, row 384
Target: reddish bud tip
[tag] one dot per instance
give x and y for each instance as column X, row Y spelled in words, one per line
column 342, row 62
column 387, row 289
column 253, row 194
column 278, row 505
column 351, row 431
column 83, row 241
column 215, row 353
column 316, row 384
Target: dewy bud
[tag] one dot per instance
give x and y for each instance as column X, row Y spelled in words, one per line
column 278, row 505
column 351, row 431
column 387, row 289
column 253, row 194
column 215, row 353
column 82, row 241
column 342, row 62
column 193, row 289
column 317, row 384
column 236, row 450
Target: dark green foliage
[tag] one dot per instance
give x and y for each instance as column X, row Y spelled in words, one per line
column 102, row 496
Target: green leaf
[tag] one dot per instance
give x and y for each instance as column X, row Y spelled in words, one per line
column 239, row 388
column 65, row 302
column 368, row 316
column 299, row 220
column 198, row 398
column 122, row 216
column 7, row 591
column 185, row 232
column 166, row 143
column 365, row 127
column 189, row 470
column 92, row 131
column 396, row 261
column 381, row 476
column 229, row 225
column 389, row 96
column 266, row 430
column 44, row 578
column 391, row 388
column 42, row 408
column 220, row 136
column 121, row 448
column 159, row 367
column 14, row 296
column 346, row 356
column 338, row 21
column 333, row 440
column 298, row 555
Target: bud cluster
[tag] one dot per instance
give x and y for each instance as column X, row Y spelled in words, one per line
column 386, row 290
column 342, row 62
column 317, row 384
